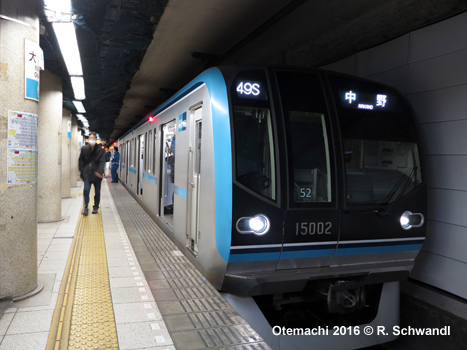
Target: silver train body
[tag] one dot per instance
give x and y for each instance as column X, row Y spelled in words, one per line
column 270, row 180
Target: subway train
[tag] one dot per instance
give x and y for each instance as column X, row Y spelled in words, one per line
column 279, row 181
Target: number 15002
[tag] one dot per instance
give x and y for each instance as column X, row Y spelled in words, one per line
column 311, row 228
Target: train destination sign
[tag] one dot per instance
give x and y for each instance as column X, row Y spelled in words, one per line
column 364, row 100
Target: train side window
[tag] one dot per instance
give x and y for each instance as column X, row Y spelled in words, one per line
column 146, row 150
column 149, row 150
column 130, row 154
column 154, row 152
column 136, row 155
column 127, row 157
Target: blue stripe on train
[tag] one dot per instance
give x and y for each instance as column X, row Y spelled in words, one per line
column 181, row 192
column 390, row 247
column 313, row 251
column 150, row 178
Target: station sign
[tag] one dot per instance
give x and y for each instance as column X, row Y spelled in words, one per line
column 33, row 63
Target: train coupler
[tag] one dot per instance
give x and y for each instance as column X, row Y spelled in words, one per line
column 346, row 296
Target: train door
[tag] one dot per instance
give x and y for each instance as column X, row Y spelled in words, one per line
column 311, row 223
column 167, row 175
column 140, row 164
column 194, row 179
column 121, row 168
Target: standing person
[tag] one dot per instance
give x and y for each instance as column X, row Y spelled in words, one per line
column 115, row 163
column 108, row 155
column 91, row 165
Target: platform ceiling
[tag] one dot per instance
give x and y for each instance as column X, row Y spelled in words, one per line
column 135, row 53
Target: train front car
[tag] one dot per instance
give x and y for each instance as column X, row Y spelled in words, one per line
column 328, row 193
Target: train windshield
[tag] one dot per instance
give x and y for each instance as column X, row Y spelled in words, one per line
column 378, row 135
column 255, row 164
column 307, row 130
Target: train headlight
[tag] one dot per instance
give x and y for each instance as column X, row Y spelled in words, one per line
column 259, row 224
column 409, row 220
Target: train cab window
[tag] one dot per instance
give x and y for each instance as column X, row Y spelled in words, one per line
column 255, row 157
column 254, row 146
column 306, row 122
column 378, row 134
column 310, row 157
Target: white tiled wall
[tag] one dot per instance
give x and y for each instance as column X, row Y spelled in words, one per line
column 430, row 66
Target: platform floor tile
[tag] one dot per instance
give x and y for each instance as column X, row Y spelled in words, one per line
column 196, row 316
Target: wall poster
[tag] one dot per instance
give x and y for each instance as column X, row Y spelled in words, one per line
column 21, row 148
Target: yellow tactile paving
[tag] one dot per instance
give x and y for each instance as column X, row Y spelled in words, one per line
column 84, row 317
column 97, row 336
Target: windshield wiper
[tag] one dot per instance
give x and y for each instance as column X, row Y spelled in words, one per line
column 391, row 193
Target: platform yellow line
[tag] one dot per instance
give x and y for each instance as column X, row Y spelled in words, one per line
column 83, row 317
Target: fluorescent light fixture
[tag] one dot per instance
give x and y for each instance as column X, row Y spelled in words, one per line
column 79, row 106
column 78, row 88
column 57, row 10
column 83, row 120
column 66, row 37
column 59, row 14
column 58, row 5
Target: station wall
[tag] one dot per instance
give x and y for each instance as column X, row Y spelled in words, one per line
column 429, row 66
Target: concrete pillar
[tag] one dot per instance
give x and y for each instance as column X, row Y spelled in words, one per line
column 75, row 149
column 66, row 153
column 49, row 143
column 18, row 224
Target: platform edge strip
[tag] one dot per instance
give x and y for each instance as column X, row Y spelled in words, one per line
column 60, row 326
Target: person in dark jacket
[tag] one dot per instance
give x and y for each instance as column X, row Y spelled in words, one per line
column 115, row 163
column 92, row 167
column 108, row 155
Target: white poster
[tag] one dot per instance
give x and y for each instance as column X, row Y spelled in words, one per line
column 22, row 130
column 21, row 166
column 21, row 148
column 33, row 63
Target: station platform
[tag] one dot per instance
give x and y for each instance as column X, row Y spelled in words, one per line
column 113, row 280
